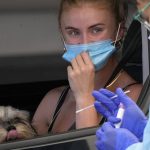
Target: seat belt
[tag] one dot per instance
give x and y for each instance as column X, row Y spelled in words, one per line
column 144, row 98
column 145, row 53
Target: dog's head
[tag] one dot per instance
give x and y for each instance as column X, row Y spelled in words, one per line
column 14, row 124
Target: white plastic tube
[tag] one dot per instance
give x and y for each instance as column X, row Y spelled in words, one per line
column 120, row 115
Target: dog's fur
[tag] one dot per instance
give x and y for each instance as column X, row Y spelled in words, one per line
column 14, row 124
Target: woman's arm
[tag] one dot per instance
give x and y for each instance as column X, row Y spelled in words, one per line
column 44, row 111
column 81, row 75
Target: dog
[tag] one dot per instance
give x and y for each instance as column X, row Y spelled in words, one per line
column 14, row 124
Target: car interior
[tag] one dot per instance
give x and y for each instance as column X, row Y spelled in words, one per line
column 31, row 64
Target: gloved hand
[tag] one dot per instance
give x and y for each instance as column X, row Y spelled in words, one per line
column 134, row 119
column 109, row 138
column 108, row 108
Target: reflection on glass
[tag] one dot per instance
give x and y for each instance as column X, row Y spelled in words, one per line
column 140, row 16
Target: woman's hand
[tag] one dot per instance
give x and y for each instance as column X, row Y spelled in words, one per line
column 81, row 76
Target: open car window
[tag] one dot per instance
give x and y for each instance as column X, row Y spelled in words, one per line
column 29, row 51
column 32, row 65
column 82, row 139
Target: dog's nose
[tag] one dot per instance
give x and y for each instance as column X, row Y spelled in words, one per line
column 11, row 127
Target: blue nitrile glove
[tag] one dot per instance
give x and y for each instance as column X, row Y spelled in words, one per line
column 108, row 108
column 133, row 119
column 110, row 138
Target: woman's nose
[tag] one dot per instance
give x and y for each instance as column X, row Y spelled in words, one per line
column 85, row 39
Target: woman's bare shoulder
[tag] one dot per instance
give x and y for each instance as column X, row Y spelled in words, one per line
column 55, row 92
column 135, row 91
column 46, row 107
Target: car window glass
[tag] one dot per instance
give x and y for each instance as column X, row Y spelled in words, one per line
column 30, row 58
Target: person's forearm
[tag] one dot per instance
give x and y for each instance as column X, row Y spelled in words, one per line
column 86, row 117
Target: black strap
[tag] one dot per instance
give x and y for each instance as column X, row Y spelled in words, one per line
column 59, row 104
column 129, row 85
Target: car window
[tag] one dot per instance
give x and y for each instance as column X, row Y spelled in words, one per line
column 30, row 42
column 83, row 139
column 31, row 64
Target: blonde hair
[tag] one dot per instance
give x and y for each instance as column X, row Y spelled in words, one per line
column 117, row 7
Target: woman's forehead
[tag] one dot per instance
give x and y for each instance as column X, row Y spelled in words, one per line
column 95, row 5
column 86, row 14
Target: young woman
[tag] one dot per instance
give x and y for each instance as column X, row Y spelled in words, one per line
column 91, row 30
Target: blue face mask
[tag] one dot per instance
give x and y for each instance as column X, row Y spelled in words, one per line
column 99, row 52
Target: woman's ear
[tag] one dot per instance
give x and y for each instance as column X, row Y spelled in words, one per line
column 123, row 30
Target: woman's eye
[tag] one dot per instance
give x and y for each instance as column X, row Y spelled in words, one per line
column 96, row 30
column 73, row 33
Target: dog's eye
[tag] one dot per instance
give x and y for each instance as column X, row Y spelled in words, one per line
column 18, row 120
